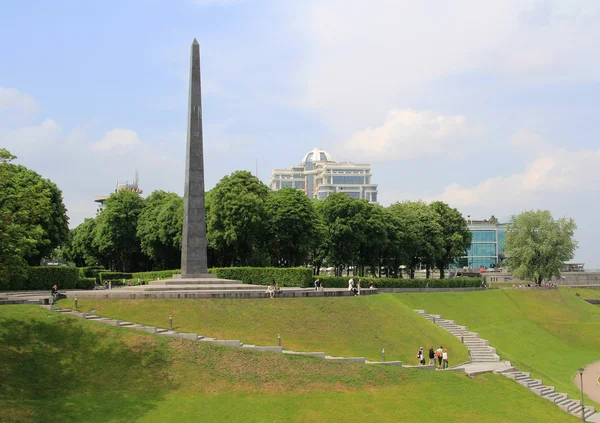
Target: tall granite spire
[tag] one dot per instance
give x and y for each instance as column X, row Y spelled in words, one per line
column 193, row 248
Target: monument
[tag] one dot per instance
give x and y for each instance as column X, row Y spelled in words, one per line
column 193, row 247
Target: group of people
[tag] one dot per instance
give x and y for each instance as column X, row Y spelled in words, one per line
column 438, row 357
column 273, row 289
column 355, row 286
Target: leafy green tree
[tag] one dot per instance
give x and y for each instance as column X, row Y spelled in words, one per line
column 536, row 244
column 291, row 226
column 237, row 221
column 421, row 241
column 160, row 227
column 374, row 240
column 115, row 235
column 318, row 243
column 33, row 219
column 345, row 222
column 456, row 236
column 81, row 248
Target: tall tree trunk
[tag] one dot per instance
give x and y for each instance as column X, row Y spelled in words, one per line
column 442, row 274
column 427, row 271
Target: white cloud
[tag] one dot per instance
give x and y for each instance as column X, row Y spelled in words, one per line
column 554, row 172
column 525, row 141
column 28, row 139
column 367, row 57
column 407, row 133
column 117, row 141
column 13, row 99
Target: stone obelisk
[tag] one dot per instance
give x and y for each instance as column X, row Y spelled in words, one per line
column 193, row 248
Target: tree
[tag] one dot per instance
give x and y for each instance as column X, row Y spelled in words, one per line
column 536, row 244
column 33, row 219
column 291, row 226
column 456, row 236
column 237, row 220
column 421, row 241
column 115, row 236
column 160, row 227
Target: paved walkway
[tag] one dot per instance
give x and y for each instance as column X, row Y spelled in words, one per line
column 591, row 386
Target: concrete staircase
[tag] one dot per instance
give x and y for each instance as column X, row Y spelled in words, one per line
column 562, row 400
column 479, row 349
column 205, row 339
column 481, row 352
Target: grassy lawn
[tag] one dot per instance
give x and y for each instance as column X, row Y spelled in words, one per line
column 583, row 292
column 549, row 333
column 59, row 368
column 349, row 327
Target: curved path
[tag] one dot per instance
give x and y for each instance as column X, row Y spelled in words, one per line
column 591, row 382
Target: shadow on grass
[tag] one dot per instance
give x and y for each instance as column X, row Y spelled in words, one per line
column 59, row 371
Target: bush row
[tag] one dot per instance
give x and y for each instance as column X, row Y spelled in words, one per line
column 342, row 282
column 91, row 272
column 113, row 276
column 154, row 275
column 298, row 276
column 44, row 277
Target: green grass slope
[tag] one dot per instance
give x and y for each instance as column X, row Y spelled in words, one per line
column 59, row 368
column 349, row 327
column 549, row 333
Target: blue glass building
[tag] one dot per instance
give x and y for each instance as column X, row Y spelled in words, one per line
column 487, row 245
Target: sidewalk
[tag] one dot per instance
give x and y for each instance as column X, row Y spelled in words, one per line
column 591, row 386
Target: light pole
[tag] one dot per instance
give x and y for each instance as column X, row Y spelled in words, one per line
column 581, row 370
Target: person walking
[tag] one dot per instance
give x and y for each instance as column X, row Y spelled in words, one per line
column 317, row 284
column 445, row 359
column 431, row 355
column 438, row 353
column 421, row 357
column 351, row 284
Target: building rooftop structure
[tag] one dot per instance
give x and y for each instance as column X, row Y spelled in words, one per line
column 318, row 175
column 133, row 187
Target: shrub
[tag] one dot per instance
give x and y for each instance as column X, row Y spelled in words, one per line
column 91, row 272
column 298, row 276
column 86, row 283
column 43, row 277
column 113, row 276
column 342, row 282
column 152, row 276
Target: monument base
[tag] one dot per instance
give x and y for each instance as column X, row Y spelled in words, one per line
column 207, row 279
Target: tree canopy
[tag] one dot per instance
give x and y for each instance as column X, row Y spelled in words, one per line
column 33, row 219
column 536, row 244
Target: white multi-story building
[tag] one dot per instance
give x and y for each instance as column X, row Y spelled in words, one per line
column 318, row 176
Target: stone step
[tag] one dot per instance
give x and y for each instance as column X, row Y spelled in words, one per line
column 312, row 354
column 575, row 405
column 92, row 317
column 222, row 342
column 554, row 396
column 486, row 360
column 169, row 333
column 385, row 363
column 531, row 383
column 421, row 311
column 263, row 349
column 588, row 411
column 566, row 405
column 542, row 390
column 346, row 359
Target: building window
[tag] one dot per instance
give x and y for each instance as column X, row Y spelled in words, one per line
column 338, row 180
column 354, row 194
column 287, row 184
column 484, row 236
column 322, row 195
column 482, row 250
column 374, row 197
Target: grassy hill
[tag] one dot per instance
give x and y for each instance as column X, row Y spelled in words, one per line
column 59, row 368
column 356, row 326
column 550, row 333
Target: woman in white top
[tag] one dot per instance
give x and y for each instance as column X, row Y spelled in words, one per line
column 445, row 359
column 350, row 284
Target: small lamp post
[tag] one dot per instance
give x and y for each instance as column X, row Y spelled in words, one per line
column 75, row 302
column 170, row 322
column 581, row 370
column 383, row 355
column 279, row 340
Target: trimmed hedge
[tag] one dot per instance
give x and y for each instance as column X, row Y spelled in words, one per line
column 342, row 282
column 298, row 276
column 91, row 272
column 43, row 277
column 86, row 283
column 113, row 276
column 152, row 276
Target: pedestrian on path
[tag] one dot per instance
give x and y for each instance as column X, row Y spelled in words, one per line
column 438, row 353
column 445, row 359
column 421, row 357
column 350, row 284
column 317, row 284
column 431, row 355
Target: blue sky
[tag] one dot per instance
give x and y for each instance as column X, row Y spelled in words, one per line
column 490, row 107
